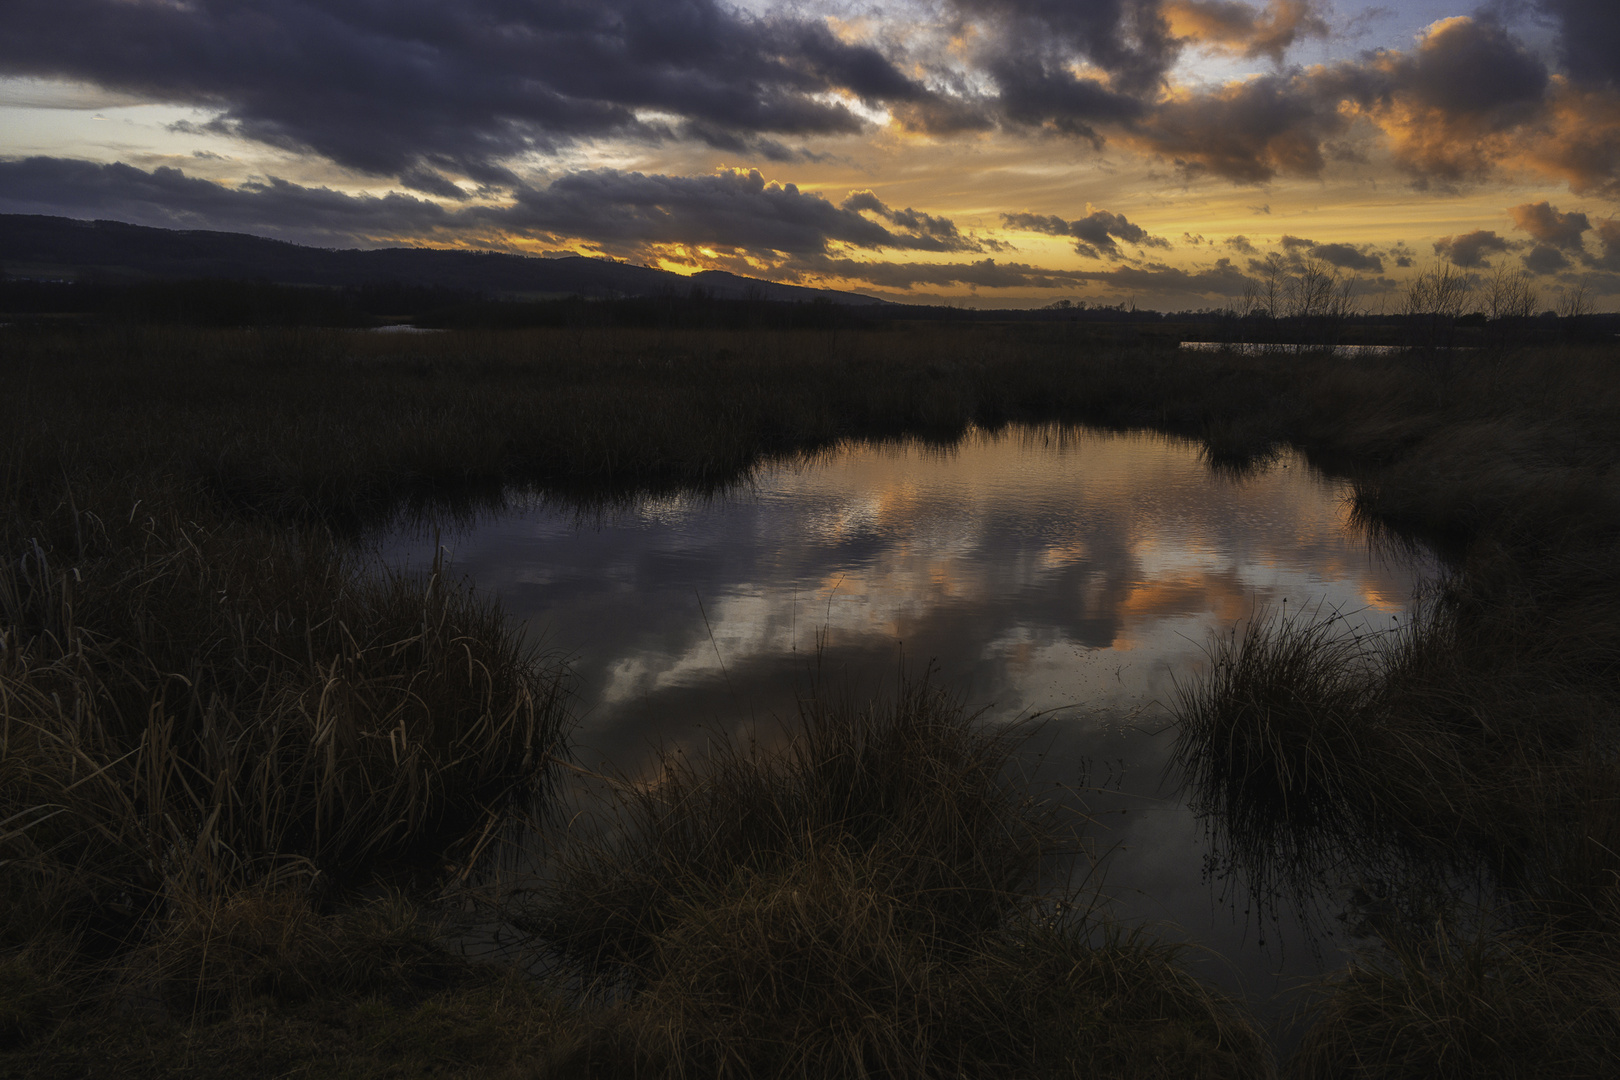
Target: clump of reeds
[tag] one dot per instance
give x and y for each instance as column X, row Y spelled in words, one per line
column 208, row 710
column 1460, row 756
column 1273, row 736
column 1494, row 1006
column 875, row 895
column 914, row 788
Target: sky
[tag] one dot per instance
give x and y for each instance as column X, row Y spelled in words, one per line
column 987, row 153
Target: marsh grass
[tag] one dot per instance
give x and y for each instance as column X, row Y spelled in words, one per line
column 213, row 739
column 876, row 895
column 170, row 707
column 1267, row 736
column 215, row 723
column 911, row 787
column 1491, row 1006
column 1452, row 764
column 223, row 951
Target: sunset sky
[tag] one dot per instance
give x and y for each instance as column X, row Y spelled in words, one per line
column 981, row 152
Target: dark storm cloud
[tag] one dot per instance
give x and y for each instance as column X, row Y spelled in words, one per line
column 1035, row 96
column 1470, row 249
column 737, row 210
column 431, row 91
column 1464, row 67
column 1035, row 52
column 1544, row 222
column 1589, row 38
column 419, row 87
column 1094, row 235
column 1074, row 67
column 1247, row 131
column 1128, row 39
column 1468, row 83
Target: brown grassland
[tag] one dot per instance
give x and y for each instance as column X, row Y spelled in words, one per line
column 247, row 783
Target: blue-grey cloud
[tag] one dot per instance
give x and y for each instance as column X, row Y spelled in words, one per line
column 415, row 88
column 1545, row 259
column 623, row 211
column 428, row 89
column 1589, row 37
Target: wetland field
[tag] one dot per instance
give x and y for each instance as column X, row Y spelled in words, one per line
column 913, row 699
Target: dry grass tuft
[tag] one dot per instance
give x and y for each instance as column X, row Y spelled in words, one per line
column 875, row 896
column 915, row 790
column 1493, row 1007
column 227, row 951
column 205, row 731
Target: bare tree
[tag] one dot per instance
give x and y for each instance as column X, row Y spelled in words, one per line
column 1441, row 291
column 1433, row 302
column 1576, row 300
column 1344, row 304
column 1271, row 290
column 1312, row 294
column 1249, row 305
column 1510, row 294
column 1310, row 289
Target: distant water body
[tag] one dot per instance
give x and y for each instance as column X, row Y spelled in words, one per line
column 1070, row 572
column 1253, row 348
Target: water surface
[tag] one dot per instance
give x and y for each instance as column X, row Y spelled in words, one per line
column 1068, row 572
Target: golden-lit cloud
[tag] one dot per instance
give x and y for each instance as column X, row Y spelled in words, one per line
column 1241, row 28
column 992, row 150
column 1249, row 131
column 1577, row 140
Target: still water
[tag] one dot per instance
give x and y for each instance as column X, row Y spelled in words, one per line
column 1071, row 573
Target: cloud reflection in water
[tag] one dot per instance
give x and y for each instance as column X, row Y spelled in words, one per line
column 1037, row 568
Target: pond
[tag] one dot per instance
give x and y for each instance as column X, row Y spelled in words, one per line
column 1067, row 572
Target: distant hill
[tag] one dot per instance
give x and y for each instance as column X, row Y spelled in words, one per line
column 35, row 246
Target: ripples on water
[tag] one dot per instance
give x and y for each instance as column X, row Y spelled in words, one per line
column 1070, row 572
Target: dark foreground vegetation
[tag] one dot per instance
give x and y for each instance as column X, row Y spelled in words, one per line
column 247, row 785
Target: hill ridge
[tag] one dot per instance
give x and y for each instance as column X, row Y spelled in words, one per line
column 34, row 245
